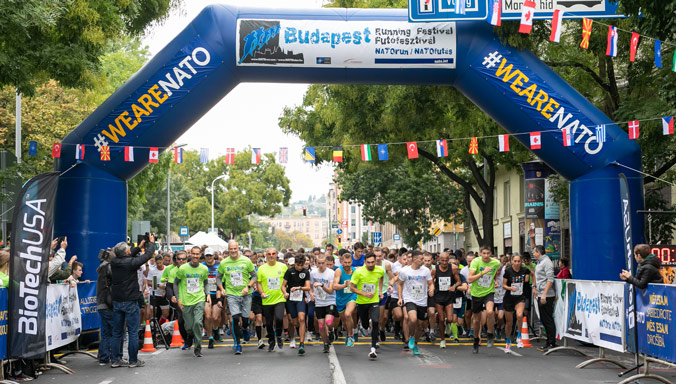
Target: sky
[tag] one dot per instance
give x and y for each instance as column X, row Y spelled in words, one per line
column 230, row 123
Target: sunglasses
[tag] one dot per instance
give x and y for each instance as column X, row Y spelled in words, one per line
column 181, row 259
column 272, row 253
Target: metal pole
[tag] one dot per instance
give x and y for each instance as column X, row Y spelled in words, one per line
column 17, row 147
column 169, row 209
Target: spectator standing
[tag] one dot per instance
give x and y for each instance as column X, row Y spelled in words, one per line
column 4, row 268
column 104, row 305
column 545, row 295
column 648, row 268
column 564, row 272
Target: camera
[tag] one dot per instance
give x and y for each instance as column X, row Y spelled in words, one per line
column 104, row 254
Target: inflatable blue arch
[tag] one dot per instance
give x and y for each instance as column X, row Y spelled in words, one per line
column 224, row 46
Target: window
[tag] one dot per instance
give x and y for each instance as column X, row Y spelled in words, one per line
column 353, row 209
column 364, row 222
column 353, row 222
column 316, row 223
column 353, row 235
column 506, row 197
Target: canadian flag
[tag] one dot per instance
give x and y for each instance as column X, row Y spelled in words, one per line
column 535, row 141
column 153, row 155
column 527, row 13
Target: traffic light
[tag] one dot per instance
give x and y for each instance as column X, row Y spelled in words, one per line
column 304, row 211
column 339, row 239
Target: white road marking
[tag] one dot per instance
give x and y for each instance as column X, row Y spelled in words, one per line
column 337, row 376
column 511, row 352
column 107, row 381
column 158, row 351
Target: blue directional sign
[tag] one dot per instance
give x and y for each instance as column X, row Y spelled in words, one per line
column 183, row 231
column 339, row 231
column 377, row 237
column 444, row 10
column 396, row 237
column 572, row 9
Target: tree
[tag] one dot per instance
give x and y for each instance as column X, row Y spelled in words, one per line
column 199, row 216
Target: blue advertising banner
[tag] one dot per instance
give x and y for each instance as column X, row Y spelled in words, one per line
column 655, row 321
column 630, row 290
column 90, row 316
column 3, row 323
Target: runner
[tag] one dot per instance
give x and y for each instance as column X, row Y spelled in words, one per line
column 169, row 276
column 358, row 258
column 428, row 261
column 464, row 274
column 446, row 281
column 459, row 305
column 189, row 283
column 413, row 280
column 482, row 273
column 398, row 313
column 270, row 277
column 297, row 280
column 158, row 299
column 387, row 289
column 499, row 298
column 345, row 298
column 514, row 279
column 257, row 307
column 325, row 300
column 212, row 312
column 236, row 278
column 367, row 284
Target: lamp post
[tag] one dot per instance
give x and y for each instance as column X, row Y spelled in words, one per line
column 212, row 199
column 169, row 199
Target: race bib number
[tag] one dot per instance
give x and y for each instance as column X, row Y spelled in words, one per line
column 273, row 283
column 193, row 284
column 320, row 293
column 444, row 283
column 211, row 283
column 296, row 295
column 458, row 303
column 519, row 289
column 347, row 287
column 236, row 279
column 417, row 292
column 369, row 288
column 485, row 281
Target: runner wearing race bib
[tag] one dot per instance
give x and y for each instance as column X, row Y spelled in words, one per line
column 387, row 267
column 269, row 285
column 212, row 312
column 446, row 280
column 367, row 283
column 415, row 285
column 514, row 279
column 345, row 298
column 430, row 334
column 189, row 283
column 158, row 299
column 393, row 305
column 324, row 297
column 296, row 283
column 482, row 273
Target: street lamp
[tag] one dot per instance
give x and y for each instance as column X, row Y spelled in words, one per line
column 169, row 199
column 212, row 199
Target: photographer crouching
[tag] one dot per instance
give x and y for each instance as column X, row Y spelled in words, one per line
column 125, row 294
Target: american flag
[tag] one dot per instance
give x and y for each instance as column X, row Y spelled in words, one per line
column 283, row 155
column 204, row 155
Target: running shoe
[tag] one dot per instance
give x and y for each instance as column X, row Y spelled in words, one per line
column 377, row 345
column 261, row 344
column 246, row 335
column 519, row 343
column 301, row 350
column 373, row 353
column 238, row 351
column 475, row 346
column 489, row 341
column 119, row 363
column 197, row 353
column 211, row 343
column 355, row 337
column 382, row 336
column 415, row 350
column 292, row 344
column 349, row 342
column 448, row 328
column 271, row 345
column 411, row 342
column 331, row 337
column 442, row 344
column 280, row 343
column 508, row 347
column 326, row 348
column 137, row 364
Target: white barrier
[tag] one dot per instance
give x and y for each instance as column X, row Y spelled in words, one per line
column 63, row 323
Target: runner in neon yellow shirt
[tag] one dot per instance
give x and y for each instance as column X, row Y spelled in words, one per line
column 189, row 282
column 270, row 277
column 482, row 274
column 367, row 283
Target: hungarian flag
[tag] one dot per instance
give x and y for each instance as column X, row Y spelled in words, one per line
column 255, row 156
column 178, row 155
column 338, row 154
column 412, row 147
column 633, row 46
column 442, row 148
column 79, row 152
column 105, row 153
column 503, row 143
column 535, row 140
column 474, row 146
column 310, row 155
column 365, row 152
column 56, row 150
column 668, row 125
column 586, row 32
column 555, row 36
column 153, row 155
column 633, row 129
column 495, row 12
column 129, row 154
column 230, row 156
column 611, row 47
column 527, row 13
column 567, row 137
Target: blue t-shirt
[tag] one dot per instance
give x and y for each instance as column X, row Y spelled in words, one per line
column 358, row 262
column 344, row 296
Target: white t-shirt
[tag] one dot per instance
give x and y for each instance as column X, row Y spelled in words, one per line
column 155, row 276
column 396, row 268
column 141, row 278
column 499, row 291
column 323, row 299
column 415, row 284
column 465, row 273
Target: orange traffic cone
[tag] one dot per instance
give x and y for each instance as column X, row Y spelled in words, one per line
column 148, row 340
column 176, row 339
column 525, row 339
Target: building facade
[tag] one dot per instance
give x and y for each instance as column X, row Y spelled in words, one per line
column 316, row 228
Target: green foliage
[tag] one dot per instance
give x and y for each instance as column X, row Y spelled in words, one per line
column 199, row 216
column 293, row 240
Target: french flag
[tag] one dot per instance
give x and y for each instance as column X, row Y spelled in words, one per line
column 611, row 48
column 495, row 12
column 668, row 125
column 79, row 152
column 256, row 156
column 567, row 137
column 503, row 143
column 442, row 148
column 129, row 154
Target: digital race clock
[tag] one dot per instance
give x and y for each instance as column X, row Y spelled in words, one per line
column 666, row 253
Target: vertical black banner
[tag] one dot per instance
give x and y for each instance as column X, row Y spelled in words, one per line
column 31, row 236
column 630, row 296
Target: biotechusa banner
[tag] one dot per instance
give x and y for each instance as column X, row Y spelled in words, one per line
column 530, row 93
column 187, row 68
column 31, row 238
column 354, row 44
column 63, row 321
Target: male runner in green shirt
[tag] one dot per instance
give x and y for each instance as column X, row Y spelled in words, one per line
column 367, row 283
column 189, row 284
column 482, row 274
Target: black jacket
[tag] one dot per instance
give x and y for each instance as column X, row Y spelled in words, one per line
column 104, row 282
column 648, row 273
column 125, row 277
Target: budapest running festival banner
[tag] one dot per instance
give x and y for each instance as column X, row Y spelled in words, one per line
column 64, row 321
column 31, row 237
column 343, row 44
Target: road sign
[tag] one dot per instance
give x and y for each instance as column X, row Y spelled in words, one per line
column 377, row 237
column 183, row 231
column 436, row 231
column 396, row 237
column 444, row 10
column 334, row 225
column 339, row 231
column 572, row 9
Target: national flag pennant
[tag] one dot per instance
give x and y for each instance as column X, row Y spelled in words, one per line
column 567, row 137
column 633, row 129
column 586, row 32
column 178, row 155
column 105, row 153
column 473, row 146
column 337, row 154
column 383, row 154
column 365, row 152
column 555, row 35
column 668, row 125
column 56, row 150
column 442, row 148
column 129, row 154
column 611, row 48
column 310, row 155
column 495, row 12
column 601, row 133
column 412, row 149
column 460, row 7
column 283, row 155
column 79, row 152
column 503, row 143
column 527, row 13
column 633, row 45
column 230, row 156
column 535, row 140
column 153, row 155
column 33, row 148
column 255, row 156
column 658, row 54
column 204, row 155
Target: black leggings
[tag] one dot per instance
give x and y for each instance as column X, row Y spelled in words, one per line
column 372, row 312
column 181, row 324
column 274, row 319
column 236, row 326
